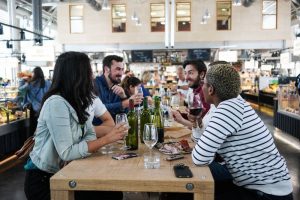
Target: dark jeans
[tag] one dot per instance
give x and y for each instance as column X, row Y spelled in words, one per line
column 37, row 187
column 33, row 121
column 226, row 190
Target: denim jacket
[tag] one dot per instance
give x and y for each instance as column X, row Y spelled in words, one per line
column 35, row 94
column 59, row 136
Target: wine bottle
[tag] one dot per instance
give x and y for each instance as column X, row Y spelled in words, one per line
column 158, row 120
column 132, row 138
column 145, row 117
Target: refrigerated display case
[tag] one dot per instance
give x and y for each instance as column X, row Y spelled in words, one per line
column 287, row 111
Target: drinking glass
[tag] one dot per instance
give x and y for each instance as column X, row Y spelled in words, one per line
column 195, row 108
column 150, row 138
column 150, row 135
column 119, row 119
column 175, row 100
column 139, row 91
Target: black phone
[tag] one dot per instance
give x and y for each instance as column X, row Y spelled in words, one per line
column 182, row 171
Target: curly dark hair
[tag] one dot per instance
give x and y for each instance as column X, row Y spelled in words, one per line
column 73, row 80
column 225, row 80
column 198, row 64
column 107, row 61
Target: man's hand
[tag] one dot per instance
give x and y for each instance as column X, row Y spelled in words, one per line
column 177, row 116
column 137, row 98
column 118, row 90
column 196, row 120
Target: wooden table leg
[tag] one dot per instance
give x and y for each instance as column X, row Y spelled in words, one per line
column 62, row 194
column 205, row 196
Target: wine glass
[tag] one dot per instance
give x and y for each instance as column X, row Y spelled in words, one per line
column 175, row 100
column 195, row 108
column 140, row 92
column 122, row 117
column 150, row 135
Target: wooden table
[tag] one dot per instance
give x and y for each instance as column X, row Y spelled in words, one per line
column 101, row 172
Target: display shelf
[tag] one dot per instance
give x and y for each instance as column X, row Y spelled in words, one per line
column 287, row 112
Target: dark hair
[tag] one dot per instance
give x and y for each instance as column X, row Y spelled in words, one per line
column 219, row 62
column 107, row 61
column 198, row 64
column 72, row 79
column 38, row 77
column 130, row 81
column 297, row 83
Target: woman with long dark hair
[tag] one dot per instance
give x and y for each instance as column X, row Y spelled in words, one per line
column 65, row 132
column 35, row 89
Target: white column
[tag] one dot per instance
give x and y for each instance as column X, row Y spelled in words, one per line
column 167, row 29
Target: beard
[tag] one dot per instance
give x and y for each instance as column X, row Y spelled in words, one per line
column 114, row 81
column 196, row 83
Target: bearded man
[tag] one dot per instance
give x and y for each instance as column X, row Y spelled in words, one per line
column 110, row 92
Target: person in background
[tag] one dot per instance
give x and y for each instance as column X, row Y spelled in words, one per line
column 146, row 77
column 110, row 92
column 64, row 132
column 241, row 138
column 195, row 71
column 35, row 89
column 182, row 86
column 131, row 84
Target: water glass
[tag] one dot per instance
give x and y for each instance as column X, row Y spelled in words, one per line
column 151, row 160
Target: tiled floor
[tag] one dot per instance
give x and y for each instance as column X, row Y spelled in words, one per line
column 11, row 182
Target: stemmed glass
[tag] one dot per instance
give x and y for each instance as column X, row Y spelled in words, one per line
column 150, row 136
column 195, row 107
column 175, row 101
column 140, row 92
column 119, row 119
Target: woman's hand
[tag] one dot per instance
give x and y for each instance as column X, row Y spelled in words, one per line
column 137, row 98
column 117, row 133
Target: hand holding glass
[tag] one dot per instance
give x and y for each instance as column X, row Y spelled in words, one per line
column 194, row 105
column 119, row 119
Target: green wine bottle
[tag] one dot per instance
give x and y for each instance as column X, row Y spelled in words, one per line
column 158, row 120
column 132, row 139
column 145, row 118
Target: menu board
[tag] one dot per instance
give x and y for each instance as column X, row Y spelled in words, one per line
column 202, row 54
column 142, row 56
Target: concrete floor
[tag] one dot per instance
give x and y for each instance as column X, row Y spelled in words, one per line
column 11, row 181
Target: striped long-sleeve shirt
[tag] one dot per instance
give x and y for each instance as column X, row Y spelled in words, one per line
column 237, row 133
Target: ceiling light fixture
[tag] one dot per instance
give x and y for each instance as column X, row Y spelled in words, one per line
column 1, row 29
column 105, row 5
column 203, row 21
column 22, row 35
column 207, row 14
column 236, row 2
column 134, row 17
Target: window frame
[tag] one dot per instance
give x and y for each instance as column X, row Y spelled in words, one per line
column 114, row 18
column 230, row 16
column 276, row 15
column 164, row 17
column 81, row 18
column 190, row 17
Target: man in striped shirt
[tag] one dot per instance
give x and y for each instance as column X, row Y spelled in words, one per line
column 241, row 138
